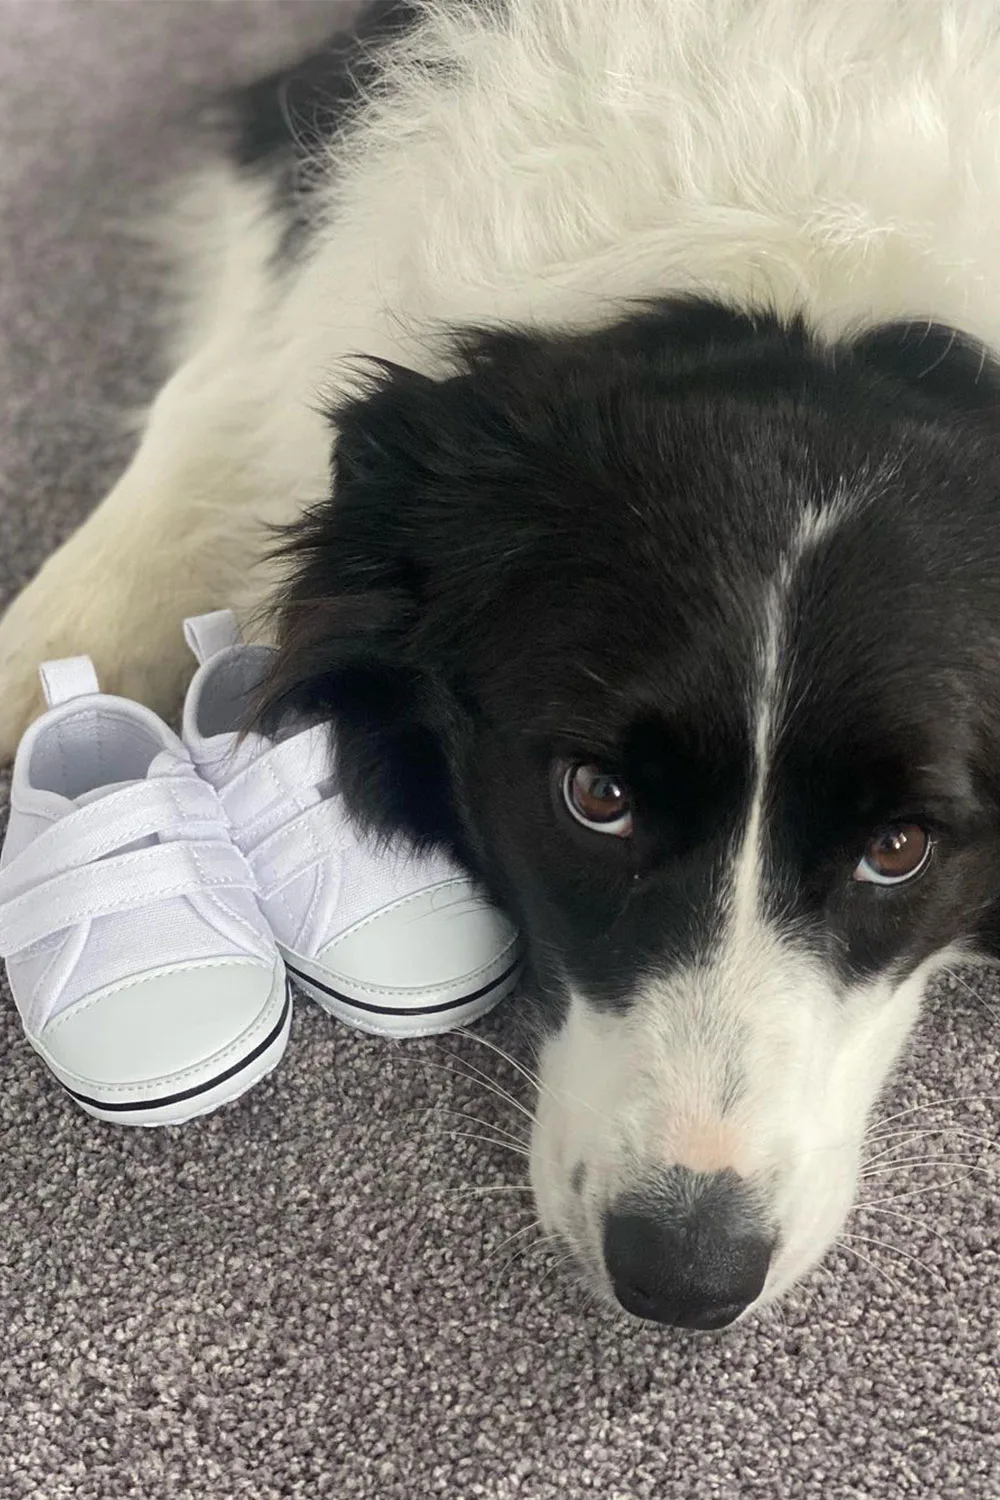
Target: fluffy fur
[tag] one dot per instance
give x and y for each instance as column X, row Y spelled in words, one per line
column 672, row 451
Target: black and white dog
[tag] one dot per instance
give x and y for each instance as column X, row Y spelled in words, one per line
column 659, row 574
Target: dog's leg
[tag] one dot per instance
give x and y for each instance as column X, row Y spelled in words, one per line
column 184, row 530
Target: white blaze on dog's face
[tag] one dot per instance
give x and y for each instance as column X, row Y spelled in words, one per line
column 683, row 634
column 741, row 1079
column 755, row 1064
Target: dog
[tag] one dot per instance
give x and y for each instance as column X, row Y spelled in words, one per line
column 618, row 375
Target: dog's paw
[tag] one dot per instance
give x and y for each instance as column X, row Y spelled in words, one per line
column 138, row 654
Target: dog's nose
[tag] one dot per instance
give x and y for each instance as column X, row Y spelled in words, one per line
column 694, row 1256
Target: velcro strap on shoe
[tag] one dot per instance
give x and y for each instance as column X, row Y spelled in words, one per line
column 124, row 883
column 167, row 806
column 312, row 837
column 297, row 764
column 209, row 634
column 68, row 677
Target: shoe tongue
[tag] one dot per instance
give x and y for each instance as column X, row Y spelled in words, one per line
column 163, row 764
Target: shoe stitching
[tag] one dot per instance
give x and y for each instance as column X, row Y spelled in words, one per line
column 131, row 902
column 230, row 909
column 396, row 905
column 35, row 1003
column 136, row 980
column 304, row 925
column 297, row 924
column 384, row 993
column 41, row 945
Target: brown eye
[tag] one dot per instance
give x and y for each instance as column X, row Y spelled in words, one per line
column 895, row 854
column 597, row 799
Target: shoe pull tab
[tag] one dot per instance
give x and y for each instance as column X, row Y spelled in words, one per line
column 68, row 677
column 209, row 634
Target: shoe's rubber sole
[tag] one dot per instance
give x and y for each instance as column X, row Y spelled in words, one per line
column 174, row 1107
column 429, row 1019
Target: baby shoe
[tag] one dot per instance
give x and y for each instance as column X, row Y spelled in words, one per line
column 391, row 942
column 143, row 970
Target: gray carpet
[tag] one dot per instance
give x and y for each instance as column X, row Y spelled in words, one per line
column 312, row 1293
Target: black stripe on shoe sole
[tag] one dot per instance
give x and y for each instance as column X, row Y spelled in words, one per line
column 391, row 1010
column 201, row 1088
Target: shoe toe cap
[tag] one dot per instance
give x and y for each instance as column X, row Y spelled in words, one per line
column 428, row 944
column 172, row 1027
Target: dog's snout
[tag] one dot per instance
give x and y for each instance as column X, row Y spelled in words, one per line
column 694, row 1257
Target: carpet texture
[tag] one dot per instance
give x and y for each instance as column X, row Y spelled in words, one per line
column 319, row 1291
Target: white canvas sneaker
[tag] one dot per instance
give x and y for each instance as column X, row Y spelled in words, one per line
column 391, row 942
column 140, row 962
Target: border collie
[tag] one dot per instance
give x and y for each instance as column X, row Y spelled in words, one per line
column 619, row 372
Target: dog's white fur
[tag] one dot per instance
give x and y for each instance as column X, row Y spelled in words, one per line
column 841, row 157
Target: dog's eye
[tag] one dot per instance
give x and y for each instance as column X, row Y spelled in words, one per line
column 597, row 799
column 895, row 854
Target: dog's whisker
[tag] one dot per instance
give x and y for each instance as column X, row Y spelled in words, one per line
column 946, row 1130
column 920, row 1192
column 514, row 1260
column 491, row 1125
column 477, row 1072
column 951, row 1132
column 502, row 1052
column 489, row 1140
column 584, row 1275
column 520, row 1252
column 486, row 1085
column 428, row 1111
column 591, row 1298
column 562, row 1096
column 927, row 1161
column 945, row 1159
column 562, row 1260
column 897, row 1213
column 940, row 1104
column 879, row 1270
column 466, row 1069
column 596, row 1296
column 558, row 1097
column 867, row 1239
column 490, row 1187
column 965, row 985
column 779, row 1314
column 911, row 1219
column 524, row 1229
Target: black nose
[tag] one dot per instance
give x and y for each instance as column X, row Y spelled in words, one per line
column 693, row 1254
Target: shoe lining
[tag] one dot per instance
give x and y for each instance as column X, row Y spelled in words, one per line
column 91, row 749
column 222, row 707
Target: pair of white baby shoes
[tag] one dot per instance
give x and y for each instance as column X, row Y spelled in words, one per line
column 157, row 895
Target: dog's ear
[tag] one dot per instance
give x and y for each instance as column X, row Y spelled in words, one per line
column 347, row 617
column 933, row 362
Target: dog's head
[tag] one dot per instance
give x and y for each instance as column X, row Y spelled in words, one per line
column 685, row 636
